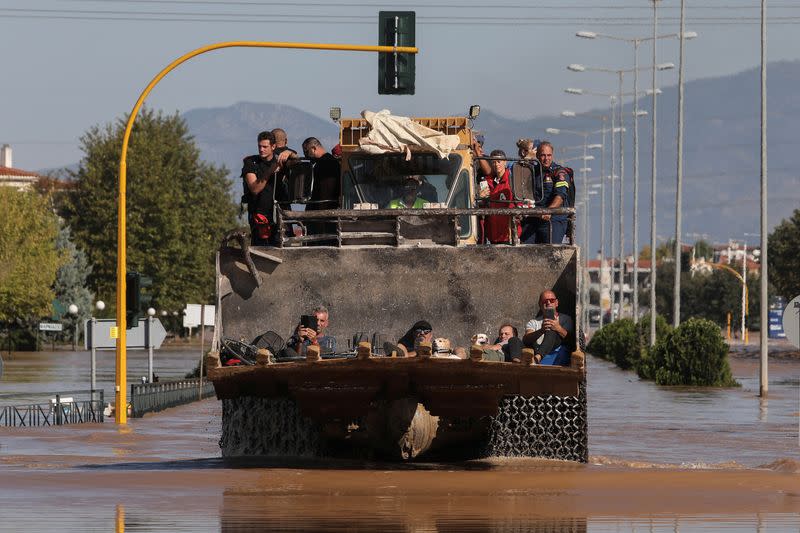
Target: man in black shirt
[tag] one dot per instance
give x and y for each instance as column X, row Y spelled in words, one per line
column 259, row 175
column 327, row 185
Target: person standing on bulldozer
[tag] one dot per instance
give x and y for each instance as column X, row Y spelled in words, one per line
column 552, row 191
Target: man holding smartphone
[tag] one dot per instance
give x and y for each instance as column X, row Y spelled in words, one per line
column 551, row 334
column 311, row 330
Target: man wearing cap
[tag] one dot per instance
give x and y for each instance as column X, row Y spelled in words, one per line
column 551, row 191
column 409, row 199
column 497, row 228
column 420, row 332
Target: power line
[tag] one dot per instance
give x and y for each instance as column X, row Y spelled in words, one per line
column 356, row 19
column 460, row 6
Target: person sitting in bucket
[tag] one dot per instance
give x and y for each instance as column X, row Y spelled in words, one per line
column 551, row 334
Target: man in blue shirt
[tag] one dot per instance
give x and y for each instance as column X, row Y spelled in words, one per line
column 552, row 191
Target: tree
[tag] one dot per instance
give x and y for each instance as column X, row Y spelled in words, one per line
column 703, row 249
column 664, row 250
column 70, row 285
column 783, row 248
column 28, row 255
column 178, row 208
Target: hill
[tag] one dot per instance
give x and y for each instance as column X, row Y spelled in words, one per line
column 721, row 185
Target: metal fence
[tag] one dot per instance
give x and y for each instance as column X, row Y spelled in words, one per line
column 153, row 397
column 62, row 408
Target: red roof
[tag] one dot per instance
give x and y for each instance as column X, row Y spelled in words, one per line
column 8, row 171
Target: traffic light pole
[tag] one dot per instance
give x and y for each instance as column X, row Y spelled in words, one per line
column 121, row 384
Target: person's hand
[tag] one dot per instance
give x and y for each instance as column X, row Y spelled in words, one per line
column 549, row 324
column 286, row 154
column 311, row 334
column 546, row 218
column 477, row 148
column 483, row 193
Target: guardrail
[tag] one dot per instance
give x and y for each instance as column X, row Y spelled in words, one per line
column 62, row 409
column 154, row 397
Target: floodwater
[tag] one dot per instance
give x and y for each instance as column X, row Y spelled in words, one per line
column 661, row 459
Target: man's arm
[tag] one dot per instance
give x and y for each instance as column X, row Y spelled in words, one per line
column 531, row 336
column 483, row 165
column 561, row 190
column 254, row 185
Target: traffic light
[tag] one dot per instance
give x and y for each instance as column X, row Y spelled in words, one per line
column 137, row 298
column 396, row 71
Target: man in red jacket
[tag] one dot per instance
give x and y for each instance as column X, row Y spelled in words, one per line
column 497, row 228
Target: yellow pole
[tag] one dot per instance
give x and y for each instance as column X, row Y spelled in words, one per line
column 120, row 519
column 745, row 309
column 121, row 404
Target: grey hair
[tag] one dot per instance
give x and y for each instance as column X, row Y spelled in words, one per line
column 320, row 309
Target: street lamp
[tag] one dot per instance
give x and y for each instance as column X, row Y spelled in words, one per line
column 620, row 72
column 73, row 310
column 603, row 118
column 682, row 35
column 585, row 216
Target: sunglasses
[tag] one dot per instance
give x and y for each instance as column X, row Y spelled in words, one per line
column 421, row 331
column 550, row 300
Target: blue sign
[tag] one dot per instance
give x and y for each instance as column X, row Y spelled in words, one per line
column 775, row 315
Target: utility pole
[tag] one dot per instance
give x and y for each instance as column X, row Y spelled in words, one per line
column 653, row 242
column 763, row 377
column 676, row 294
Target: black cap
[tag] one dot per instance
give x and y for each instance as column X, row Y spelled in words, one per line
column 422, row 324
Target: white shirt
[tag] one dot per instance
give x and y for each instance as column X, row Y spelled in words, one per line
column 535, row 324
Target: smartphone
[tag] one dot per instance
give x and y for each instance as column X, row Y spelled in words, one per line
column 309, row 321
column 550, row 313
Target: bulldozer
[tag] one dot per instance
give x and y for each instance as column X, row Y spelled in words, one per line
column 379, row 265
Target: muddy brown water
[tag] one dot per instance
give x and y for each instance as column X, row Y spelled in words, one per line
column 661, row 459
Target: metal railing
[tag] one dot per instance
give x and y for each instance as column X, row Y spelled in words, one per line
column 154, row 397
column 62, row 409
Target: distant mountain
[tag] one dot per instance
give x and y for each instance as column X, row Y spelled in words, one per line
column 226, row 135
column 721, row 172
column 721, row 153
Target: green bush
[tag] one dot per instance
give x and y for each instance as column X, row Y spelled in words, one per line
column 645, row 367
column 693, row 354
column 618, row 342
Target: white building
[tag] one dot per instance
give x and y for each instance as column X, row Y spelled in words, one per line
column 14, row 177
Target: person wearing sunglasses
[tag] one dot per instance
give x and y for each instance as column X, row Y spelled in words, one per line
column 551, row 334
column 420, row 332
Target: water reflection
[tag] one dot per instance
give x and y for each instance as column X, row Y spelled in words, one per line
column 263, row 511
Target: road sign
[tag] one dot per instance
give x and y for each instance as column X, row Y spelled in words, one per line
column 50, row 326
column 791, row 321
column 139, row 337
column 191, row 315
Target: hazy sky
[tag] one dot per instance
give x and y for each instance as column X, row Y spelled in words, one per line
column 66, row 65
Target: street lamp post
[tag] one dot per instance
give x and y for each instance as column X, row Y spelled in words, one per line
column 99, row 305
column 150, row 314
column 653, row 243
column 763, row 377
column 636, row 41
column 585, row 240
column 676, row 294
column 602, row 145
column 73, row 311
column 620, row 73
